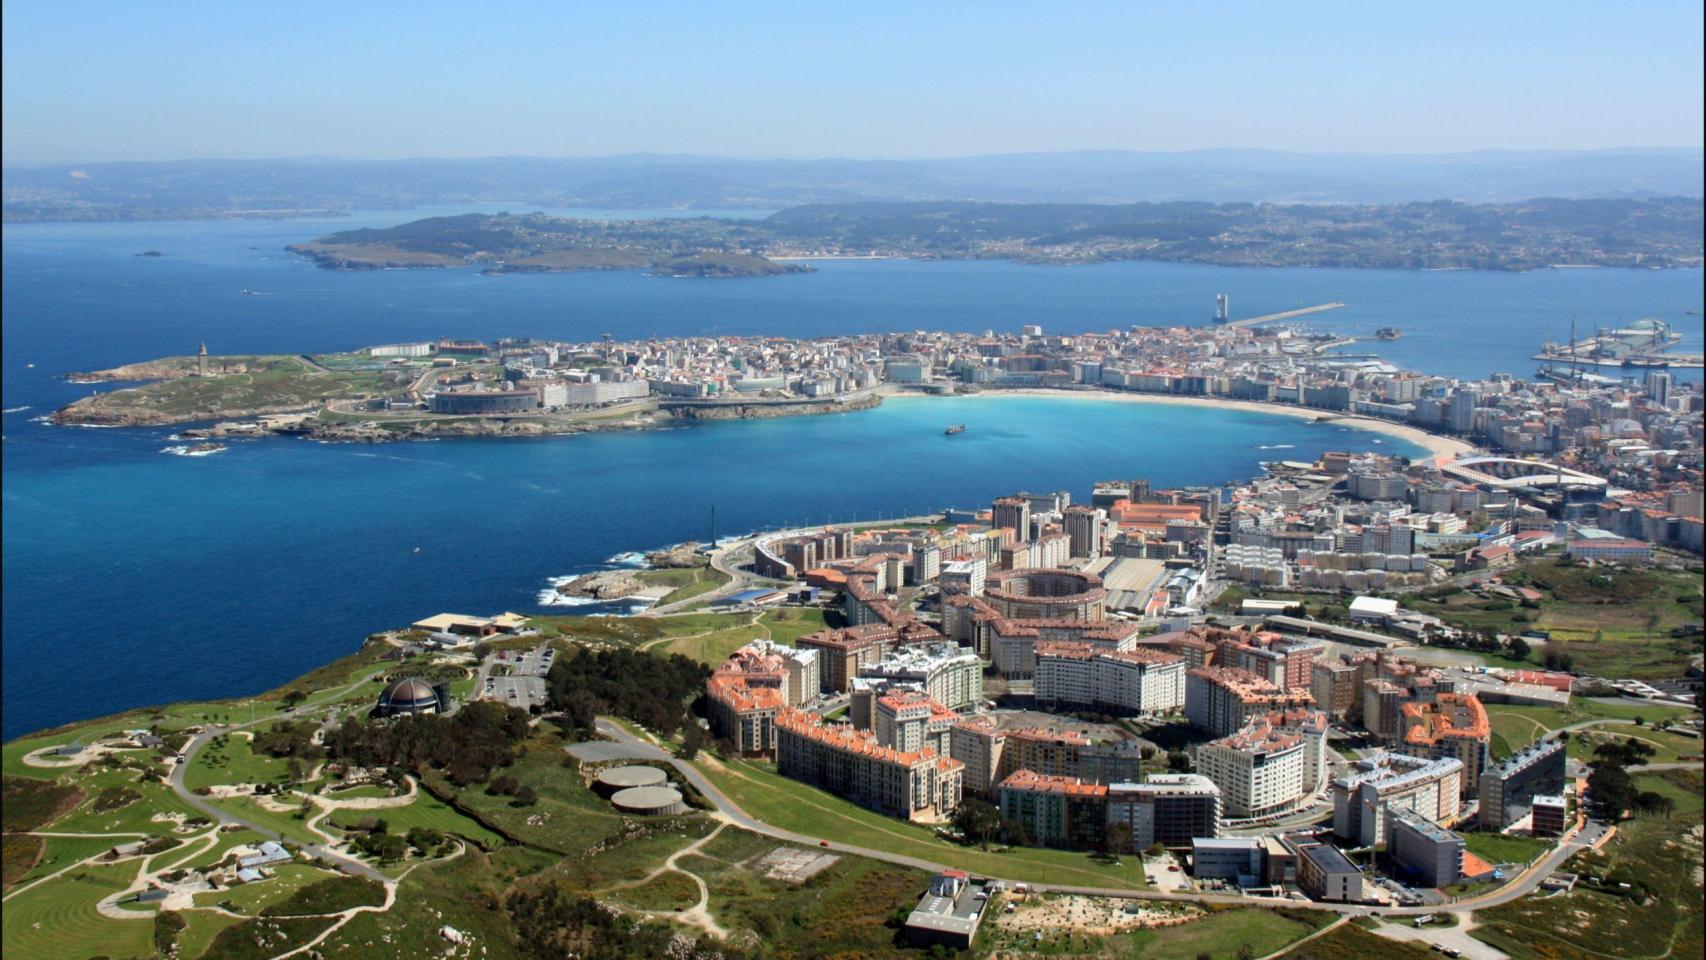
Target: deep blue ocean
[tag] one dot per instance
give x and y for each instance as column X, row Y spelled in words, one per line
column 133, row 577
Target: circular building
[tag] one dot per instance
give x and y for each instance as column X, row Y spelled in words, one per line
column 408, row 695
column 650, row 801
column 1046, row 595
column 617, row 779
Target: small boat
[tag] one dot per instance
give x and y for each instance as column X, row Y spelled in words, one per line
column 417, row 550
column 955, row 429
column 1388, row 333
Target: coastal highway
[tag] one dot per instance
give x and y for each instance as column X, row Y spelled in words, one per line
column 1518, row 887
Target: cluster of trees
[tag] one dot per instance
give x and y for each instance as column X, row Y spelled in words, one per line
column 504, row 785
column 372, row 837
column 650, row 690
column 552, row 923
column 982, row 822
column 467, row 745
column 1612, row 787
column 294, row 739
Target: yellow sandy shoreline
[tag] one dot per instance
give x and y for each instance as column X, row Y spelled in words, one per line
column 1437, row 446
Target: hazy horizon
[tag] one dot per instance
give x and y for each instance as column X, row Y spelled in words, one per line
column 868, row 158
column 117, row 82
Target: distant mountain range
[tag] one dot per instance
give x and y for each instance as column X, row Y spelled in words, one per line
column 222, row 188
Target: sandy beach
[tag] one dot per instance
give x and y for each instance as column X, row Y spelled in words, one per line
column 1438, row 447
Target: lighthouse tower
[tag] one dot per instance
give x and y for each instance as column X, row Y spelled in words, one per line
column 201, row 361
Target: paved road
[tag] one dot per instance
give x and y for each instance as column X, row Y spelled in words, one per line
column 1521, row 886
column 222, row 816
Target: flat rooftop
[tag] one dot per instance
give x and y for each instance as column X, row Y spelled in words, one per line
column 960, row 916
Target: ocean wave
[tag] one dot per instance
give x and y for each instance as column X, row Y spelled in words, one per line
column 633, row 558
column 14, row 409
column 1277, row 446
column 549, row 597
column 184, row 450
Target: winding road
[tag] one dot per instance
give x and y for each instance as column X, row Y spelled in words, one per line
column 222, row 816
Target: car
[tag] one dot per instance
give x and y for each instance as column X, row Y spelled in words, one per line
column 823, row 843
column 180, row 758
column 1173, row 868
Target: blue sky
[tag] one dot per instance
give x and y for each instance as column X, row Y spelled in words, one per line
column 102, row 80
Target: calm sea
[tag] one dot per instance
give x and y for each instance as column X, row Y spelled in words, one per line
column 133, row 577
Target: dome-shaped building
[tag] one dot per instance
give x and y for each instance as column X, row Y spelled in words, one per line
column 408, row 695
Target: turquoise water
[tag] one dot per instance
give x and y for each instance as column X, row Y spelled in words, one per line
column 132, row 577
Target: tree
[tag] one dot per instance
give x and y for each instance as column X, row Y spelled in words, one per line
column 977, row 820
column 1116, row 839
column 1178, row 761
column 1650, row 802
column 1246, row 952
column 294, row 697
column 525, row 797
column 1519, row 648
column 693, row 740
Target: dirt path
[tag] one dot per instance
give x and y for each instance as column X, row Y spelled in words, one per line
column 698, row 915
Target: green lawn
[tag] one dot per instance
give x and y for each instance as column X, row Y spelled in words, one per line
column 201, row 926
column 774, row 799
column 426, row 811
column 286, row 824
column 1351, row 942
column 1519, row 726
column 58, row 918
column 1667, row 747
column 252, row 898
column 841, row 912
column 136, row 817
column 1497, row 848
column 1611, row 622
column 688, row 582
column 202, row 856
column 1222, row 933
column 713, row 648
column 790, row 624
column 456, row 893
column 232, row 760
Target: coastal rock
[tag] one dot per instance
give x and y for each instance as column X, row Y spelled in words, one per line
column 608, row 585
column 681, row 555
column 736, row 410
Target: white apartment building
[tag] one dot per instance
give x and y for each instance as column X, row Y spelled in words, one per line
column 1139, row 681
column 1259, row 770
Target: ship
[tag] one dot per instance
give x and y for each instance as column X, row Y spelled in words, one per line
column 957, row 428
column 1388, row 333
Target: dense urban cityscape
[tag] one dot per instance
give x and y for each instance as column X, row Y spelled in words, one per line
column 705, row 481
column 1280, row 690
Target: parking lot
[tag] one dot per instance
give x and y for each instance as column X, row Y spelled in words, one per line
column 517, row 678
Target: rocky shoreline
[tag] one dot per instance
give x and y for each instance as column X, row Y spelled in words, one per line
column 241, row 423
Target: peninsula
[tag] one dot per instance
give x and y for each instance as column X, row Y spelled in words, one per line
column 1661, row 232
column 533, row 387
column 534, row 243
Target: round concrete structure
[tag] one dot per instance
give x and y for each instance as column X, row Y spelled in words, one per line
column 1038, row 594
column 617, row 779
column 649, row 801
